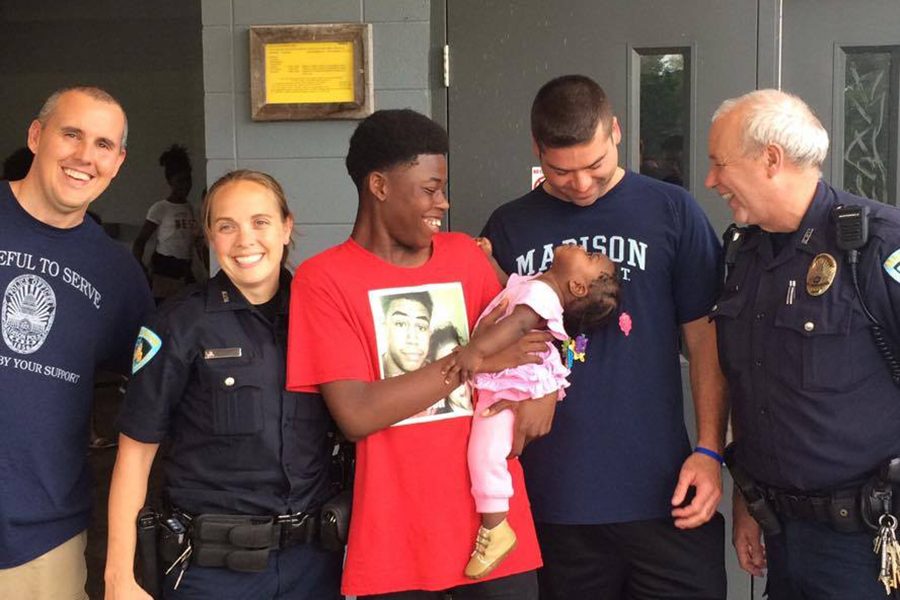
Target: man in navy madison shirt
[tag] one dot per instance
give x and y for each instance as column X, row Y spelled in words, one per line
column 73, row 300
column 624, row 507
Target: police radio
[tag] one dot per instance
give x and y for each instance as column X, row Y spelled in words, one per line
column 852, row 229
column 852, row 223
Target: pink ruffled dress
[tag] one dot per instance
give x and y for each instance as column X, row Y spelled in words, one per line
column 529, row 380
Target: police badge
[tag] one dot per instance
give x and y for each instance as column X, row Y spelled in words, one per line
column 821, row 274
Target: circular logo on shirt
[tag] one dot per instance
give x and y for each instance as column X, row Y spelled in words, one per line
column 29, row 306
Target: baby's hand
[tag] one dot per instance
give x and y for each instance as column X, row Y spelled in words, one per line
column 485, row 245
column 465, row 361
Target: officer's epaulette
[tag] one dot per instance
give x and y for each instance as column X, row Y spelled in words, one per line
column 193, row 295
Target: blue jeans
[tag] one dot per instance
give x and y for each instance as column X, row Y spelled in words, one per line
column 811, row 561
column 301, row 572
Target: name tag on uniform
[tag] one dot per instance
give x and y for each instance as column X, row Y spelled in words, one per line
column 214, row 353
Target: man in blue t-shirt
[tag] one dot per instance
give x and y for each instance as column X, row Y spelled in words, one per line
column 623, row 506
column 73, row 300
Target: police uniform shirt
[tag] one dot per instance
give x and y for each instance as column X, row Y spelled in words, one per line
column 813, row 404
column 209, row 377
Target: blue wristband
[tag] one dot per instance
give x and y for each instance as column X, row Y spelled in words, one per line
column 710, row 453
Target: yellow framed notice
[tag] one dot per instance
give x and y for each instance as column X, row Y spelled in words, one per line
column 301, row 72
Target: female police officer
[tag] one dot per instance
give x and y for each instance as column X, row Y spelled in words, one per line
column 208, row 376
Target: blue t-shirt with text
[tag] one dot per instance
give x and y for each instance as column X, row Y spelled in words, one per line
column 618, row 438
column 72, row 302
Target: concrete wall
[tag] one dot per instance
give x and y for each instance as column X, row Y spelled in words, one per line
column 307, row 157
column 147, row 54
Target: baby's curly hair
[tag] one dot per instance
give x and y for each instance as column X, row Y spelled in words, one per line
column 596, row 308
column 387, row 138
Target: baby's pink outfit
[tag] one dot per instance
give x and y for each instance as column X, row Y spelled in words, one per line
column 491, row 439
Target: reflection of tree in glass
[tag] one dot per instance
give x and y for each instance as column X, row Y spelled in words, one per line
column 866, row 143
column 664, row 116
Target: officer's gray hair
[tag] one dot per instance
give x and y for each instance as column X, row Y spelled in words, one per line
column 776, row 117
column 90, row 91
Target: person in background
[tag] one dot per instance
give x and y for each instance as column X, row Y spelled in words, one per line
column 17, row 164
column 172, row 219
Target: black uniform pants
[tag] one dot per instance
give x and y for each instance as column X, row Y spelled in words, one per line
column 637, row 560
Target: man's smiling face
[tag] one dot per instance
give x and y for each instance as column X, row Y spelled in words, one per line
column 739, row 178
column 77, row 152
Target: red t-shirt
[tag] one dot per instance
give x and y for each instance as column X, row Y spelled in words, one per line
column 414, row 520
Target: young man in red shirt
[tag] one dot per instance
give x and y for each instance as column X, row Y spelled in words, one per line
column 413, row 516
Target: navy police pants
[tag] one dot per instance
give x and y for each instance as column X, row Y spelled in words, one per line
column 810, row 560
column 301, row 572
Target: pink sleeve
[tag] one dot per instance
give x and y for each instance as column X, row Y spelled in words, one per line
column 541, row 298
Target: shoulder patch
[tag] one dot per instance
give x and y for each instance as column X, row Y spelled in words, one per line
column 892, row 265
column 145, row 348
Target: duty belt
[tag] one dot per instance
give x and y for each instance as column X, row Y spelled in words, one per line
column 243, row 542
column 858, row 506
column 839, row 508
column 245, row 531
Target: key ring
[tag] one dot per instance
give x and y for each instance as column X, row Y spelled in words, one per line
column 891, row 521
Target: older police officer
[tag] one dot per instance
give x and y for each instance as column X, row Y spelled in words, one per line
column 815, row 411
